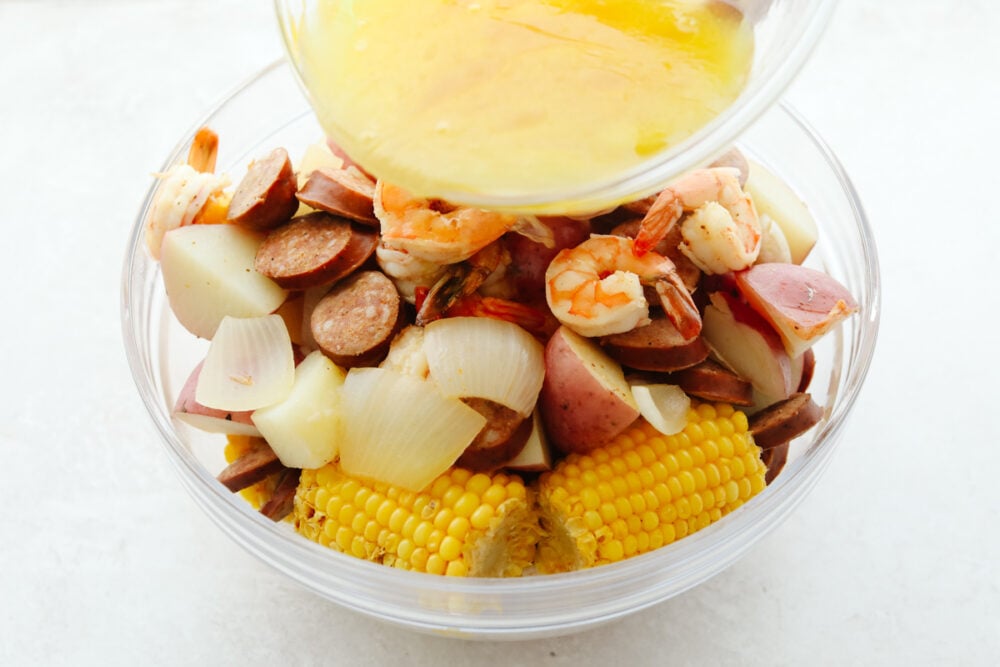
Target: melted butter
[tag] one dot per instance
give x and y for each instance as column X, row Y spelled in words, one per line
column 516, row 97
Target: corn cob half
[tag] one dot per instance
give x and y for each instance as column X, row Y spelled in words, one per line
column 644, row 490
column 462, row 524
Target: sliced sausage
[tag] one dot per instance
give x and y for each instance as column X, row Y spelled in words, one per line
column 345, row 192
column 657, row 346
column 500, row 440
column 280, row 504
column 360, row 248
column 256, row 464
column 304, row 252
column 265, row 198
column 355, row 322
column 714, row 382
column 785, row 420
column 774, row 459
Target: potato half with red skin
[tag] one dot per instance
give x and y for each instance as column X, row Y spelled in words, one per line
column 802, row 304
column 585, row 400
column 226, row 421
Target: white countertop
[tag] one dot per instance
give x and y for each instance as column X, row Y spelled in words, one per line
column 893, row 558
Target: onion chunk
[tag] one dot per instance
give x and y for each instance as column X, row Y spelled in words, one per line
column 482, row 357
column 249, row 364
column 664, row 406
column 401, row 430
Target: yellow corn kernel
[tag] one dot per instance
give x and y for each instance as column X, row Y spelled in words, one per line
column 662, row 489
column 462, row 524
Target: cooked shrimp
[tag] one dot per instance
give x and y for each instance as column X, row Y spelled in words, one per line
column 188, row 193
column 596, row 288
column 535, row 321
column 203, row 151
column 434, row 230
column 462, row 279
column 723, row 237
column 407, row 272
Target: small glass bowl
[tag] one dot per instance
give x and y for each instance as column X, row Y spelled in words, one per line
column 785, row 32
column 270, row 111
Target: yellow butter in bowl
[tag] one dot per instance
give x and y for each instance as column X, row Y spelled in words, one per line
column 511, row 99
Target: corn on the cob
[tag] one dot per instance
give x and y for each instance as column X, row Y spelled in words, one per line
column 255, row 494
column 645, row 490
column 462, row 524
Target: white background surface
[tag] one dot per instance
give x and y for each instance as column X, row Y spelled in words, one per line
column 893, row 559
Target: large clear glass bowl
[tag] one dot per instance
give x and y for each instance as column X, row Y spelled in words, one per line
column 270, row 111
column 785, row 32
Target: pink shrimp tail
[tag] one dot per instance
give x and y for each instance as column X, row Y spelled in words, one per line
column 660, row 218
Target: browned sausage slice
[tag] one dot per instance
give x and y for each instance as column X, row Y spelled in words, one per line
column 774, row 459
column 256, row 464
column 345, row 192
column 265, row 198
column 280, row 504
column 657, row 346
column 785, row 420
column 355, row 322
column 714, row 382
column 360, row 247
column 808, row 368
column 500, row 440
column 304, row 252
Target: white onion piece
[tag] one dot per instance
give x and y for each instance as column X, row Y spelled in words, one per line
column 483, row 357
column 664, row 406
column 211, row 424
column 249, row 364
column 400, row 430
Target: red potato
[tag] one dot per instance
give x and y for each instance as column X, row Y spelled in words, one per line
column 585, row 400
column 530, row 259
column 746, row 343
column 190, row 411
column 802, row 304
